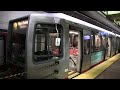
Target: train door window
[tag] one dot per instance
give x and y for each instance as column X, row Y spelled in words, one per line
column 86, row 44
column 74, row 50
column 115, row 41
column 108, row 46
column 56, row 50
column 92, row 42
column 97, row 42
column 113, row 45
column 117, row 44
column 103, row 42
column 45, row 42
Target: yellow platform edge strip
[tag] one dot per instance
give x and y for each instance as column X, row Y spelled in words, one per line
column 73, row 75
column 70, row 72
column 95, row 71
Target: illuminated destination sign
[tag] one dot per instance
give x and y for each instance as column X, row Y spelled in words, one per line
column 86, row 37
column 20, row 24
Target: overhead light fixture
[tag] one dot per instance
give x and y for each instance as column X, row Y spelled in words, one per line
column 117, row 35
column 72, row 19
column 72, row 32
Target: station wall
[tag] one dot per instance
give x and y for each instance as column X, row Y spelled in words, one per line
column 5, row 16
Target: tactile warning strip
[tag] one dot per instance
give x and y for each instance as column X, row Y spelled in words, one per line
column 95, row 71
column 73, row 75
column 71, row 72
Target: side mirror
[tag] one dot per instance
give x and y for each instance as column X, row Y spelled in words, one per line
column 57, row 41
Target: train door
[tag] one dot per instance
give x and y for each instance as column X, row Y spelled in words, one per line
column 108, row 48
column 112, row 46
column 74, row 51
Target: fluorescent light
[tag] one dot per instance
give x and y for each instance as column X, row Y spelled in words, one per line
column 72, row 32
column 117, row 35
column 86, row 37
column 70, row 18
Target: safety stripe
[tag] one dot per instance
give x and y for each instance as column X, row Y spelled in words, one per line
column 70, row 72
column 73, row 75
column 95, row 71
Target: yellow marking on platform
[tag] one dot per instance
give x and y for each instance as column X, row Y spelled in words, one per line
column 95, row 71
column 73, row 75
column 70, row 72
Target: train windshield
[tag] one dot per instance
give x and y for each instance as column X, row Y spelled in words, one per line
column 45, row 42
column 18, row 41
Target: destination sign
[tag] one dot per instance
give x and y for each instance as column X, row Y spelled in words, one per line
column 20, row 24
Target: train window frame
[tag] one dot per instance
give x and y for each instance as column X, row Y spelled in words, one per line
column 60, row 56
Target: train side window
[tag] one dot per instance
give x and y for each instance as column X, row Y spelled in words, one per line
column 40, row 42
column 87, row 44
column 45, row 43
column 97, row 42
column 56, row 50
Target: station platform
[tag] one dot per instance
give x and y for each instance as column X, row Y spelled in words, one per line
column 109, row 69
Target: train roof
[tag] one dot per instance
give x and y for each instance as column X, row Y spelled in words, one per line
column 75, row 20
column 69, row 18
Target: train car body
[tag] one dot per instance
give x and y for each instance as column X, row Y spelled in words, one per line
column 48, row 46
column 3, row 40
